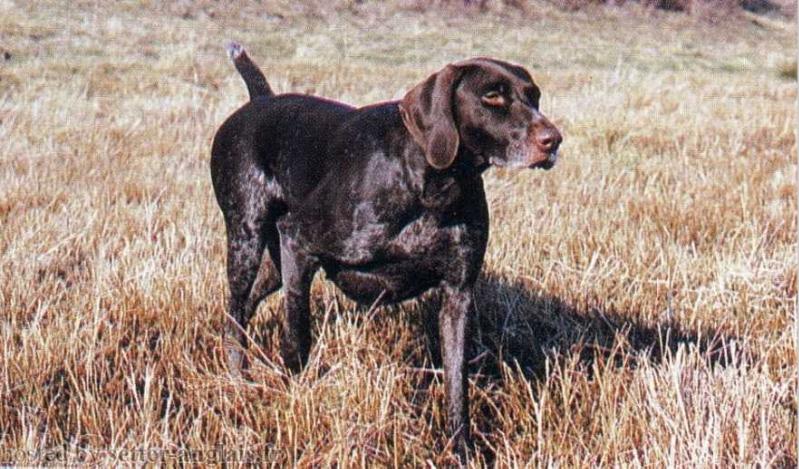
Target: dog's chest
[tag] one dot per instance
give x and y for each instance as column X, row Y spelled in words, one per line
column 426, row 237
column 420, row 256
column 404, row 235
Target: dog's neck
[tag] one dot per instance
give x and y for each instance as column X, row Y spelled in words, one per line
column 444, row 188
column 470, row 163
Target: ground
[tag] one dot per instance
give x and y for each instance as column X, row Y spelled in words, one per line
column 636, row 304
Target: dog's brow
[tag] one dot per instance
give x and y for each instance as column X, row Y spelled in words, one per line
column 511, row 69
column 518, row 72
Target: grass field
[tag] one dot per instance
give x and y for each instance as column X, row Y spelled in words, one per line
column 636, row 304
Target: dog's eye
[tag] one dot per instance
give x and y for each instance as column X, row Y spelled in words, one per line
column 494, row 99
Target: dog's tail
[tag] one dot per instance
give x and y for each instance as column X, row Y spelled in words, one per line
column 252, row 75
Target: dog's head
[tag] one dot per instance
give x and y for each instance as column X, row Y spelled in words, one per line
column 489, row 107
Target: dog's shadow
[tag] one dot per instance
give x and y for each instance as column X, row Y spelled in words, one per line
column 519, row 328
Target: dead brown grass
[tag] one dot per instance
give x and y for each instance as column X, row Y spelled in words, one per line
column 636, row 304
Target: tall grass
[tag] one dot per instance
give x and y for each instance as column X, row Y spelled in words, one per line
column 636, row 303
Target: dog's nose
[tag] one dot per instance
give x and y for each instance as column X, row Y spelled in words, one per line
column 549, row 139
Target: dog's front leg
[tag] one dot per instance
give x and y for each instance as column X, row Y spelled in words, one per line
column 297, row 271
column 453, row 320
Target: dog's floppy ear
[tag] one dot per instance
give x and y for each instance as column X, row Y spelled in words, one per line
column 427, row 114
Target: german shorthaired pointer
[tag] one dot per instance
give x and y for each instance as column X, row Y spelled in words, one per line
column 388, row 199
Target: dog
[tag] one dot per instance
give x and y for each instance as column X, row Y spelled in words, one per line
column 387, row 199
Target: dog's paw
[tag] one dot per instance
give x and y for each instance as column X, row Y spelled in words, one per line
column 234, row 50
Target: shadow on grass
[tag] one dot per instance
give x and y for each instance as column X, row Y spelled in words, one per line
column 517, row 327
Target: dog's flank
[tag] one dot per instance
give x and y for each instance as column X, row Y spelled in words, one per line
column 253, row 77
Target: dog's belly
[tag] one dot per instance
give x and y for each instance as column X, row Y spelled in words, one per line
column 391, row 282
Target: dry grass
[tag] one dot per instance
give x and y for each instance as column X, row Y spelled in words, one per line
column 636, row 305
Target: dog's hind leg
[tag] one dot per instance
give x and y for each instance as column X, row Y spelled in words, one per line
column 298, row 268
column 268, row 278
column 245, row 250
column 253, row 268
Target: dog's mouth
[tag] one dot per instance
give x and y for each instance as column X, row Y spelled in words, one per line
column 546, row 163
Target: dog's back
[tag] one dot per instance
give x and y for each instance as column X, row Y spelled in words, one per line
column 284, row 136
